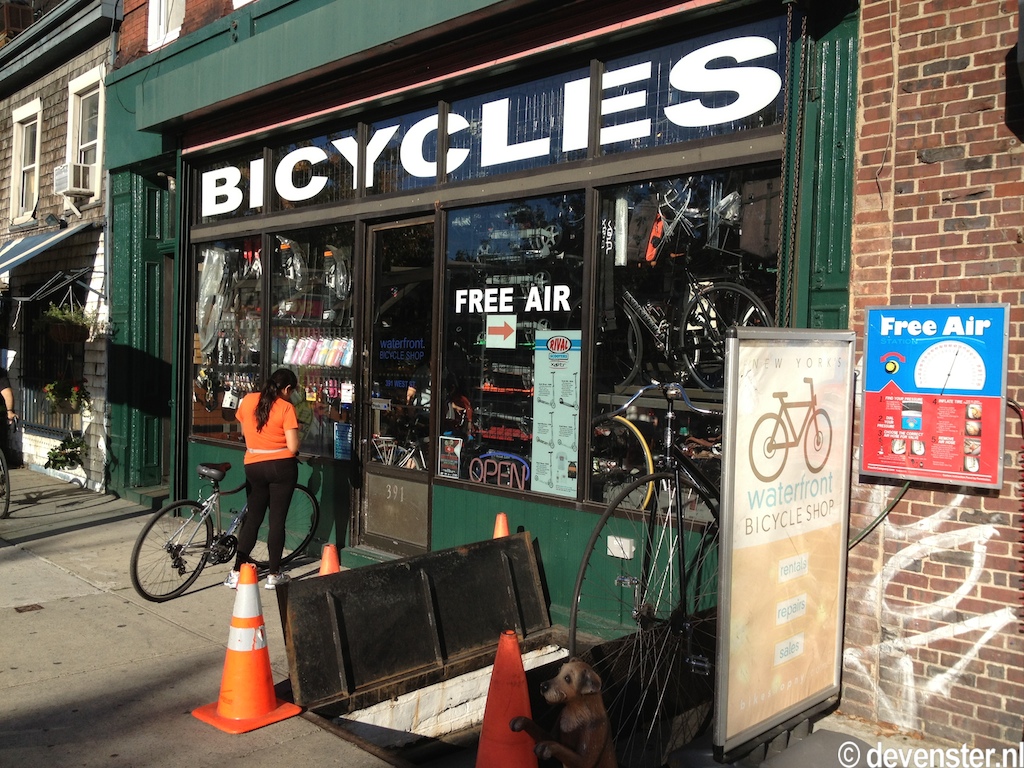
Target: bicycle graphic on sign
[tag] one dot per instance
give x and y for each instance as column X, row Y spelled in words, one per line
column 775, row 433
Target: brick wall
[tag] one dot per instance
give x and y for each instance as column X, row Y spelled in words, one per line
column 133, row 40
column 933, row 641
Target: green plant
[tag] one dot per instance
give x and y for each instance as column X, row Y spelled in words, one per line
column 67, row 454
column 72, row 392
column 74, row 314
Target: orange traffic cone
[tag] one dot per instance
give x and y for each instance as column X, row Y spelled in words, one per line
column 500, row 525
column 247, row 699
column 329, row 560
column 507, row 698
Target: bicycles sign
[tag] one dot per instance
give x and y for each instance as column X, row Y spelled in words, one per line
column 785, row 499
column 934, row 378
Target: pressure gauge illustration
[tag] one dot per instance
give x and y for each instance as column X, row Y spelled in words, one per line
column 950, row 365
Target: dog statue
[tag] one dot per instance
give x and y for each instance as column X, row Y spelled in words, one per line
column 583, row 734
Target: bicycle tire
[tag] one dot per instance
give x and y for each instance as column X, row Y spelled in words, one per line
column 711, row 311
column 767, row 454
column 656, row 663
column 299, row 528
column 5, row 487
column 171, row 551
column 622, row 348
column 818, row 440
column 619, row 454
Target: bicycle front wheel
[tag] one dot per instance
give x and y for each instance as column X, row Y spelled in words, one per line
column 5, row 487
column 712, row 311
column 299, row 527
column 171, row 551
column 643, row 615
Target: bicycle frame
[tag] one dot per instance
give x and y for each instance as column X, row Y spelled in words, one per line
column 682, row 467
column 788, row 425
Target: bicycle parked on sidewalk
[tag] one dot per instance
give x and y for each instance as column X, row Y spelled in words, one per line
column 184, row 537
column 644, row 604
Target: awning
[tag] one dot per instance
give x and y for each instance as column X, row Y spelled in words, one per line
column 15, row 252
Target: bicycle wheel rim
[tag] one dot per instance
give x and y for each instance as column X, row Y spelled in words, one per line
column 657, row 667
column 712, row 311
column 299, row 528
column 170, row 551
column 620, row 454
column 5, row 487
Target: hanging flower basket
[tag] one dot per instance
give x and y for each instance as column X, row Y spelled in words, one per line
column 67, row 396
column 68, row 333
column 68, row 323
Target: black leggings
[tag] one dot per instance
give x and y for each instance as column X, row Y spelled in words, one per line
column 269, row 485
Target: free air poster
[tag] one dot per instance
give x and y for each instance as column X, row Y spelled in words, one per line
column 556, row 412
column 789, row 402
column 934, row 384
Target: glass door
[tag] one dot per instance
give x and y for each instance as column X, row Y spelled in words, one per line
column 398, row 452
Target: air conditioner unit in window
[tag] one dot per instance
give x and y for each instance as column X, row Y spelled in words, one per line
column 73, row 180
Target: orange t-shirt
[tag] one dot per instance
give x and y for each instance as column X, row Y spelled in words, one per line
column 270, row 443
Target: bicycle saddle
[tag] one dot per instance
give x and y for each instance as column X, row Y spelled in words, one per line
column 215, row 472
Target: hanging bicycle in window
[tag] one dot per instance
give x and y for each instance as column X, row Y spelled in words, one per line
column 683, row 261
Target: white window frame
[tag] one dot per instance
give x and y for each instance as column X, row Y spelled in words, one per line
column 165, row 19
column 78, row 88
column 21, row 117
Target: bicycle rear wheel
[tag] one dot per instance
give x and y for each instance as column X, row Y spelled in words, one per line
column 5, row 487
column 299, row 527
column 171, row 551
column 712, row 311
column 643, row 615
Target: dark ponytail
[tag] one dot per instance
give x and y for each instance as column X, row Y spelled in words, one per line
column 279, row 381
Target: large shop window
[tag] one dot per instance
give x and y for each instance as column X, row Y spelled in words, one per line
column 511, row 366
column 680, row 260
column 226, row 344
column 309, row 309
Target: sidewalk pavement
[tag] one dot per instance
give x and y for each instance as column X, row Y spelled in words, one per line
column 93, row 675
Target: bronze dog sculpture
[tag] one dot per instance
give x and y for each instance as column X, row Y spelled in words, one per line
column 582, row 737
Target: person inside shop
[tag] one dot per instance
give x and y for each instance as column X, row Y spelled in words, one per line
column 270, row 427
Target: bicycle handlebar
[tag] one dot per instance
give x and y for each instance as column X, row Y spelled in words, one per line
column 671, row 390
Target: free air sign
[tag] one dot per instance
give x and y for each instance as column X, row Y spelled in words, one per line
column 502, row 305
column 934, row 384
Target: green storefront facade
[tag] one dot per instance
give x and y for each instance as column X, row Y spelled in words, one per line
column 400, row 186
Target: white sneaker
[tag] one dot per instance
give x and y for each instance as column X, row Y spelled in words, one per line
column 231, row 582
column 274, row 579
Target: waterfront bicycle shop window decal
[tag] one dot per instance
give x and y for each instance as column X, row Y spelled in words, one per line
column 705, row 87
column 934, row 384
column 511, row 370
column 786, row 490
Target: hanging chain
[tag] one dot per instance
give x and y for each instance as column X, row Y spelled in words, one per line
column 787, row 258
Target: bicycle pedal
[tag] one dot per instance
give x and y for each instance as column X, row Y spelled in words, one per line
column 700, row 665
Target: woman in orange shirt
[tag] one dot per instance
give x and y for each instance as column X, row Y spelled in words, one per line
column 271, row 430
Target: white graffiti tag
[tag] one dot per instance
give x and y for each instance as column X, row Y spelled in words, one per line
column 888, row 666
